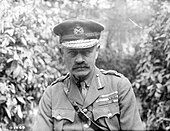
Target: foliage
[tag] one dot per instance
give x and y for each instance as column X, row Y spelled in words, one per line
column 110, row 59
column 29, row 59
column 153, row 79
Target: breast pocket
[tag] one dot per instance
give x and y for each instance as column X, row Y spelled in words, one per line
column 61, row 116
column 107, row 115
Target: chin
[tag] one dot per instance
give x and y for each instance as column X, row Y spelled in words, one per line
column 81, row 74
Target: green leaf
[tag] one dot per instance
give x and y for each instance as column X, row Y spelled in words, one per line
column 2, row 99
column 150, row 87
column 29, row 77
column 167, row 84
column 30, row 98
column 19, row 112
column 27, row 63
column 41, row 62
column 8, row 112
column 12, row 88
column 5, row 43
column 137, row 85
column 14, row 65
column 3, row 50
column 10, row 31
column 10, row 38
column 3, row 88
column 16, row 56
column 160, row 78
column 38, row 48
column 160, row 37
column 23, row 41
column 167, row 76
column 17, row 71
column 159, row 85
column 19, row 98
column 152, row 77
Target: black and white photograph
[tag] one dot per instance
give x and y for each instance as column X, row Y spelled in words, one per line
column 84, row 65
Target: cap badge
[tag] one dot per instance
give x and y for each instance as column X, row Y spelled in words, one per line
column 78, row 30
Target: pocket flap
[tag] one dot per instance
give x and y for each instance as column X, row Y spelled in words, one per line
column 61, row 114
column 104, row 111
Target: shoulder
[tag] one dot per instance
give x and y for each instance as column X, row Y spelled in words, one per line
column 56, row 85
column 60, row 79
column 119, row 79
column 122, row 82
column 111, row 72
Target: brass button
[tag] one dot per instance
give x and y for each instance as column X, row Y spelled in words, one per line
column 85, row 110
column 109, row 115
column 58, row 117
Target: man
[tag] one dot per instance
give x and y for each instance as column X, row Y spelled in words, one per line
column 87, row 98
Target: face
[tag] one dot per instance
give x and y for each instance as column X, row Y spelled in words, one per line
column 80, row 62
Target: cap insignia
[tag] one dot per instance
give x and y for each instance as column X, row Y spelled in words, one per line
column 78, row 30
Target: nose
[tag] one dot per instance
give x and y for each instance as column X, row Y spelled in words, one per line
column 79, row 58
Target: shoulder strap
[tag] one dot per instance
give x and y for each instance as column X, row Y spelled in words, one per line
column 60, row 79
column 111, row 72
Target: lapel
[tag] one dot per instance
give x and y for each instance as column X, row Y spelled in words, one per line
column 62, row 101
column 93, row 92
column 74, row 93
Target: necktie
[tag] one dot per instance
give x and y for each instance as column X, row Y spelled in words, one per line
column 83, row 89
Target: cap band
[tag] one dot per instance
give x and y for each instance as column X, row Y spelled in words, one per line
column 83, row 36
column 79, row 44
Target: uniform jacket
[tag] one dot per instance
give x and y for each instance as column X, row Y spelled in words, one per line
column 110, row 101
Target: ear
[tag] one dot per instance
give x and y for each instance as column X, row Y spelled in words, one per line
column 61, row 54
column 97, row 50
column 60, row 48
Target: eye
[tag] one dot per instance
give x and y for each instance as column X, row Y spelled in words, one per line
column 87, row 52
column 72, row 53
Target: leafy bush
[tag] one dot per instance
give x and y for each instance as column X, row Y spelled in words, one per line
column 29, row 59
column 120, row 61
column 153, row 79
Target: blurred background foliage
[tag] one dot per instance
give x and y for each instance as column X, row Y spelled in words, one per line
column 135, row 42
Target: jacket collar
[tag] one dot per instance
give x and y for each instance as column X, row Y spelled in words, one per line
column 95, row 85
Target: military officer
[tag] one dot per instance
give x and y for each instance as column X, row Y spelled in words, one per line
column 87, row 98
